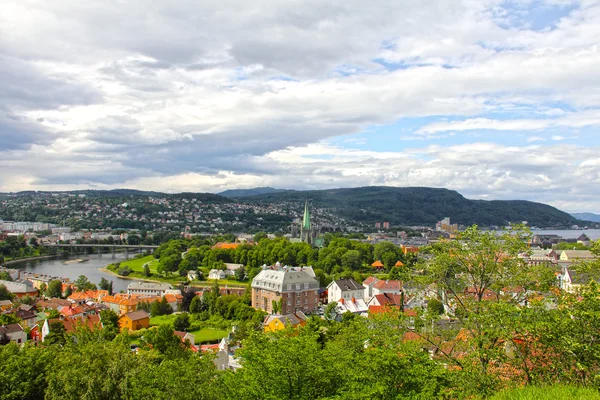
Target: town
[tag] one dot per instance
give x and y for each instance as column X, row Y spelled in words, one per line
column 215, row 294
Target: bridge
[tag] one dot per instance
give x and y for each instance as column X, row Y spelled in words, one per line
column 78, row 247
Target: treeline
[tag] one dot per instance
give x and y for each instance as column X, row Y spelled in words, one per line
column 355, row 359
column 340, row 256
column 18, row 247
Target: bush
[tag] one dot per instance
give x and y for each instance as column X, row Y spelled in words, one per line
column 548, row 393
column 124, row 271
column 435, row 306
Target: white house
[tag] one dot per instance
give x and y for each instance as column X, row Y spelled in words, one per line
column 344, row 289
column 149, row 288
column 14, row 332
column 353, row 305
column 220, row 274
column 374, row 286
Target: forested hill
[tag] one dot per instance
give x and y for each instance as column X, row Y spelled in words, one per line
column 421, row 205
column 249, row 192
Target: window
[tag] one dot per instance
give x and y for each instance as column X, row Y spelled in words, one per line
column 306, row 285
column 289, row 286
column 289, row 303
column 298, row 286
column 305, row 301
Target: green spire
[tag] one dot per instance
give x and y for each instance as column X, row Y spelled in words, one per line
column 306, row 219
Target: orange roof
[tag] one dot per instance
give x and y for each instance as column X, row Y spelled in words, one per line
column 370, row 280
column 70, row 311
column 399, row 264
column 223, row 245
column 172, row 298
column 377, row 264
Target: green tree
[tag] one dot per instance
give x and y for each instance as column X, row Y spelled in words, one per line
column 54, row 289
column 82, row 283
column 5, row 276
column 196, row 306
column 352, row 260
column 57, row 335
column 5, row 294
column 146, row 272
column 181, row 322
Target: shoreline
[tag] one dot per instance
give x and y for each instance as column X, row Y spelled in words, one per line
column 29, row 259
column 130, row 278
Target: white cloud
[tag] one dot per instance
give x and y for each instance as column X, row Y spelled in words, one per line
column 210, row 95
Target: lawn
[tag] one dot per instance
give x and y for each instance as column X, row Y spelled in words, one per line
column 163, row 320
column 201, row 335
column 137, row 264
column 208, row 335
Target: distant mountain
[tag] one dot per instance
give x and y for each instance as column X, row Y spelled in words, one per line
column 250, row 192
column 587, row 216
column 421, row 206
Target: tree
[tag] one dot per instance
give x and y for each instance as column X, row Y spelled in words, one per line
column 5, row 294
column 68, row 291
column 240, row 274
column 330, row 312
column 163, row 340
column 384, row 247
column 161, row 307
column 147, row 273
column 5, row 276
column 82, row 283
column 110, row 323
column 57, row 335
column 181, row 322
column 471, row 274
column 351, row 259
column 435, row 306
column 54, row 289
column 196, row 306
column 105, row 284
column 259, row 235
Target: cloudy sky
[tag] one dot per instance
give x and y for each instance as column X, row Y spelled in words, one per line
column 495, row 99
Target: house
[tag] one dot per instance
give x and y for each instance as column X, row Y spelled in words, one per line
column 584, row 240
column 192, row 275
column 386, row 299
column 540, row 257
column 148, row 288
column 89, row 295
column 344, row 289
column 219, row 274
column 353, row 305
column 378, row 265
column 285, row 290
column 374, row 286
column 576, row 255
column 72, row 323
column 134, row 321
column 5, row 305
column 14, row 332
column 274, row 323
column 571, row 281
column 368, row 285
column 20, row 288
column 185, row 336
column 28, row 317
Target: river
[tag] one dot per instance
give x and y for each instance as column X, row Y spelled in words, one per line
column 56, row 267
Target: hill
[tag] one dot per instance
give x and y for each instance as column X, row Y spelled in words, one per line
column 587, row 216
column 249, row 192
column 421, row 206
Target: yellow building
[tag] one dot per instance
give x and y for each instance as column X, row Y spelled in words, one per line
column 274, row 323
column 134, row 320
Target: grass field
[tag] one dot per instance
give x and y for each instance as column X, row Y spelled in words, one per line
column 548, row 393
column 208, row 335
column 201, row 335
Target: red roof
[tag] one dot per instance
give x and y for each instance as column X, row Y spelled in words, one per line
column 370, row 280
column 388, row 299
column 209, row 347
column 388, row 285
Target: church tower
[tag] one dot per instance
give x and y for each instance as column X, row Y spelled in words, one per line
column 306, row 232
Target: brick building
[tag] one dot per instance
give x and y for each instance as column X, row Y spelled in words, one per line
column 292, row 289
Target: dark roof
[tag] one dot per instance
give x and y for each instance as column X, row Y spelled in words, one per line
column 11, row 328
column 23, row 314
column 583, row 237
column 137, row 315
column 348, row 284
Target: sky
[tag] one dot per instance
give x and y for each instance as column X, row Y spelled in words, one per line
column 494, row 99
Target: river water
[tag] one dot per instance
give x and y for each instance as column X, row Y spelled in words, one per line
column 91, row 268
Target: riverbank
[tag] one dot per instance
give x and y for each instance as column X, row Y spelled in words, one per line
column 20, row 260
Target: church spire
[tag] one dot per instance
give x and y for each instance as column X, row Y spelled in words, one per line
column 306, row 219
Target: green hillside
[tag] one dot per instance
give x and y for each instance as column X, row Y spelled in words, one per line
column 421, row 205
